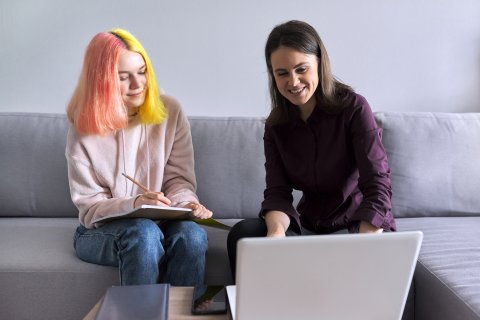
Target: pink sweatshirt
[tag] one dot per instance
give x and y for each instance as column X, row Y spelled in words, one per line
column 158, row 156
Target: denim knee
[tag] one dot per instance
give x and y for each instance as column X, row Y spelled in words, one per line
column 143, row 236
column 190, row 237
column 197, row 239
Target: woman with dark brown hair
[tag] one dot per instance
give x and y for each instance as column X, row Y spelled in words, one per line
column 320, row 138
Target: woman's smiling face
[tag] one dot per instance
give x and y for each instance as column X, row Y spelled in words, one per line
column 133, row 80
column 296, row 76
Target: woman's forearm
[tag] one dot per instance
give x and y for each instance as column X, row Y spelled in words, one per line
column 277, row 223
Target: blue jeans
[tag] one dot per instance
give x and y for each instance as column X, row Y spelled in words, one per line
column 146, row 252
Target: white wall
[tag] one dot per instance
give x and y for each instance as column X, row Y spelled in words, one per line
column 409, row 55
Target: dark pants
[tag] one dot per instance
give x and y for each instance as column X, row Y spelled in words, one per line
column 247, row 228
column 250, row 228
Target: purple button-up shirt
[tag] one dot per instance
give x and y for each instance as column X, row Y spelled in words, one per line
column 337, row 161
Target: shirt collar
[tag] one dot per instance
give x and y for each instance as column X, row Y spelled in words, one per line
column 313, row 118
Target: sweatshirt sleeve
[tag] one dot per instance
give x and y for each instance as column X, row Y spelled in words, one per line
column 89, row 196
column 179, row 182
column 278, row 192
column 374, row 171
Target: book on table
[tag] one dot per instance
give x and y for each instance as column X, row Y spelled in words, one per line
column 161, row 213
column 135, row 302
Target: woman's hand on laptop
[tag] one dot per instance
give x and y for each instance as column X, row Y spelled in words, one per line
column 367, row 227
column 277, row 223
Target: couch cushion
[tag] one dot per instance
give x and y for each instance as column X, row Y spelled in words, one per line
column 39, row 269
column 447, row 277
column 34, row 181
column 434, row 163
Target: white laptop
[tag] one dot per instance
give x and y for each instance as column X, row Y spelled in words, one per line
column 332, row 277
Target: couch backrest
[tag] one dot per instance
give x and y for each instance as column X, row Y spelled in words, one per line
column 433, row 158
column 435, row 163
column 33, row 180
column 228, row 162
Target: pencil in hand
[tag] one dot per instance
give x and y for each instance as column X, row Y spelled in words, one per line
column 136, row 182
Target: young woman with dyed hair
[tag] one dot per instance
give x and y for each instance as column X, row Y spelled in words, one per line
column 120, row 124
column 320, row 138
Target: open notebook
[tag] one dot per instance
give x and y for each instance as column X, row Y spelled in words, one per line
column 149, row 212
column 161, row 213
column 341, row 276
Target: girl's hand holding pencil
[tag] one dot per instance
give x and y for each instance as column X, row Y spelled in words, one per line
column 159, row 199
column 152, row 198
column 149, row 197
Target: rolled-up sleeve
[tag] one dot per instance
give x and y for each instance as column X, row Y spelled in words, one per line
column 374, row 172
column 278, row 192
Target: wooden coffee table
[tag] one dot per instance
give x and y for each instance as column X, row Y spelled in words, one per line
column 178, row 308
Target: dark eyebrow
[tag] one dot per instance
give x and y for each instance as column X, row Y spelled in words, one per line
column 294, row 67
column 301, row 64
column 279, row 69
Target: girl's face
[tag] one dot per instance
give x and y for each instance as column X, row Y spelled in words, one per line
column 133, row 80
column 296, row 76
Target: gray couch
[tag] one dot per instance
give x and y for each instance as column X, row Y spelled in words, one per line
column 435, row 167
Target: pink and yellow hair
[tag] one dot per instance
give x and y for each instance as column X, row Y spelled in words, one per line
column 96, row 106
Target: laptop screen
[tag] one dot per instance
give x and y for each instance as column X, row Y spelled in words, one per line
column 342, row 276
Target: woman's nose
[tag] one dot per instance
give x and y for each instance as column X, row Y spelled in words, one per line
column 293, row 80
column 134, row 83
